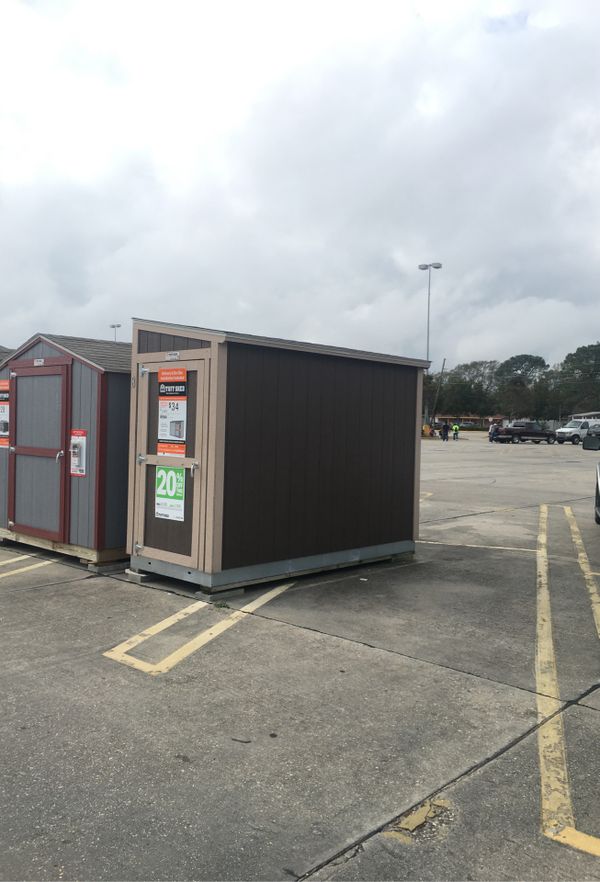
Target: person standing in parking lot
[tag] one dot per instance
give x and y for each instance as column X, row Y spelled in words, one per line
column 455, row 428
column 445, row 431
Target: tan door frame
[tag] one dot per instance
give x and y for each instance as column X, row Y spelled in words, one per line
column 144, row 369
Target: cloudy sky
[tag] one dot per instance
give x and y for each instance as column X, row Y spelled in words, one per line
column 281, row 168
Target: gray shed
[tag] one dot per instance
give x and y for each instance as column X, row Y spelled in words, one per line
column 64, row 423
column 253, row 458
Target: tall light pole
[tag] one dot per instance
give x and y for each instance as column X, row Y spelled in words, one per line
column 428, row 266
column 115, row 330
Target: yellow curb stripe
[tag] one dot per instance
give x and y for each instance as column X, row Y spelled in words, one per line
column 584, row 565
column 557, row 808
column 10, row 560
column 35, row 566
column 119, row 653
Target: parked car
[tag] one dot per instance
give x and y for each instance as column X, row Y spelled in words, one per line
column 575, row 431
column 524, row 430
column 592, row 442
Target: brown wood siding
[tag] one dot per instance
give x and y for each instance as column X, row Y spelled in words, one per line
column 319, row 454
column 150, row 341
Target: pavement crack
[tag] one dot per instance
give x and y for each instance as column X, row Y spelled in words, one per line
column 488, row 511
column 352, row 850
column 14, row 589
column 396, row 652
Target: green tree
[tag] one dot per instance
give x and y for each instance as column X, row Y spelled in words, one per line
column 478, row 373
column 517, row 378
column 527, row 367
column 470, row 388
column 580, row 379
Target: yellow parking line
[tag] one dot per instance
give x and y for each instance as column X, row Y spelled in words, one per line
column 580, row 841
column 10, row 560
column 119, row 653
column 584, row 564
column 557, row 809
column 124, row 647
column 558, row 819
column 35, row 566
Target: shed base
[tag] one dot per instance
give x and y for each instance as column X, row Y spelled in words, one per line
column 87, row 555
column 243, row 576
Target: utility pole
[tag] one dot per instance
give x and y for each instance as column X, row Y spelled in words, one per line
column 437, row 394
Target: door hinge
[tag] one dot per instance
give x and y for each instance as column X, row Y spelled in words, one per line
column 144, row 370
column 137, row 547
column 141, row 458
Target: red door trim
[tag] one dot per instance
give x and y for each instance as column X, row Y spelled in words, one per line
column 101, row 441
column 55, row 361
column 64, row 371
column 65, row 482
column 27, row 370
column 37, row 451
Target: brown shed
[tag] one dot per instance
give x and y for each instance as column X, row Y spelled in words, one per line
column 253, row 458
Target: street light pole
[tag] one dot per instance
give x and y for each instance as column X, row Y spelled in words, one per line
column 115, row 330
column 428, row 267
column 428, row 306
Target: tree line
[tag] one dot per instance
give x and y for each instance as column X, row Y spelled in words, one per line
column 521, row 386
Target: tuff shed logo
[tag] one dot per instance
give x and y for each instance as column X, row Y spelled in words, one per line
column 172, row 389
column 172, row 382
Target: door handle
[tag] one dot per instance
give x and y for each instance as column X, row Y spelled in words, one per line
column 60, row 454
column 193, row 467
column 140, row 458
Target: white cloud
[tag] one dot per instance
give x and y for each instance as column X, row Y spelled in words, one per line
column 283, row 168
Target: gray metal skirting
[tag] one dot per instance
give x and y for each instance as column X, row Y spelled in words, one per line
column 241, row 576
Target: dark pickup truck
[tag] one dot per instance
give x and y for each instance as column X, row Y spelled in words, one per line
column 523, row 430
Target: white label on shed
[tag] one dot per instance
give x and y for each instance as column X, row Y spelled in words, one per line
column 169, row 496
column 39, row 362
column 4, row 422
column 172, row 356
column 78, row 452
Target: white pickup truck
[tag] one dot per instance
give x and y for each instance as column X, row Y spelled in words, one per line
column 575, row 431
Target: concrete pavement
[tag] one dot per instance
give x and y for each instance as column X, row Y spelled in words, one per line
column 297, row 739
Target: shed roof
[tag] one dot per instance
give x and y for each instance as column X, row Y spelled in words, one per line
column 279, row 343
column 106, row 355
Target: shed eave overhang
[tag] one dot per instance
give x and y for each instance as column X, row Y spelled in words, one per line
column 37, row 338
column 277, row 343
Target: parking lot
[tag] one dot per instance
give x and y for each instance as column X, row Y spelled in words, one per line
column 422, row 719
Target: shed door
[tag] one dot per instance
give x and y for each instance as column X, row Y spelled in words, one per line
column 37, row 491
column 170, row 470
